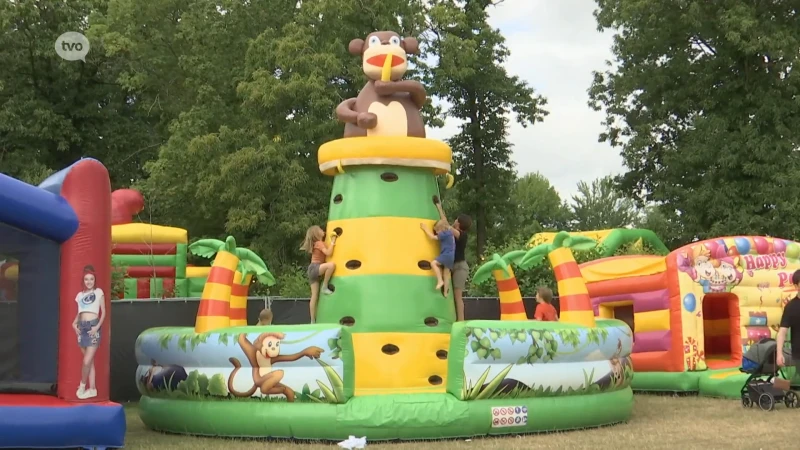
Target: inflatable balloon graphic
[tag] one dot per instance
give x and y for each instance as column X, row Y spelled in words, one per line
column 779, row 245
column 742, row 245
column 762, row 246
column 689, row 302
column 793, row 250
column 721, row 250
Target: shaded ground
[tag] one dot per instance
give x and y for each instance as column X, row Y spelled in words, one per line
column 658, row 422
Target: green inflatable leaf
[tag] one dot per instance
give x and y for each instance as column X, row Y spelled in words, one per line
column 206, row 248
column 580, row 243
column 484, row 272
column 251, row 263
column 501, row 264
column 535, row 256
column 514, row 256
column 230, row 244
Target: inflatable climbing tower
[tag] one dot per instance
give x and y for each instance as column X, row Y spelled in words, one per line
column 383, row 286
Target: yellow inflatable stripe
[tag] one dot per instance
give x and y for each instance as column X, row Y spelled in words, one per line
column 197, row 272
column 385, row 150
column 142, row 233
column 651, row 321
column 572, row 286
column 723, row 375
column 407, row 370
column 546, row 238
column 440, row 389
column 585, row 318
column 615, row 268
column 382, row 246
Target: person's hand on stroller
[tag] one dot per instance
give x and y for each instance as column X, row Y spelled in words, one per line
column 780, row 360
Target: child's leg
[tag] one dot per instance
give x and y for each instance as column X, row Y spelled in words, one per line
column 312, row 306
column 447, row 278
column 437, row 269
column 327, row 270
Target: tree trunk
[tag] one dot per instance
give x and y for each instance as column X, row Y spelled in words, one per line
column 511, row 305
column 239, row 290
column 573, row 297
column 215, row 307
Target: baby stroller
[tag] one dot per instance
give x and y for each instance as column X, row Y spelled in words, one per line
column 761, row 387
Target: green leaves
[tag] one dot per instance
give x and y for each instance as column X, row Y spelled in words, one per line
column 206, row 248
column 251, row 263
column 689, row 79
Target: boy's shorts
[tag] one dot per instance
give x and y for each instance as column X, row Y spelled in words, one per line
column 460, row 275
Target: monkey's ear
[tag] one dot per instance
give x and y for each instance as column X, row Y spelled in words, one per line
column 411, row 45
column 356, row 46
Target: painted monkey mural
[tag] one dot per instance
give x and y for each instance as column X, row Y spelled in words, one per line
column 263, row 353
column 387, row 105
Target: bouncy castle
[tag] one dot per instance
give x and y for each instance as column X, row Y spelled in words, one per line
column 58, row 235
column 152, row 257
column 385, row 359
column 694, row 312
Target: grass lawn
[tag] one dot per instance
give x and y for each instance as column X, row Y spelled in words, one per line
column 657, row 422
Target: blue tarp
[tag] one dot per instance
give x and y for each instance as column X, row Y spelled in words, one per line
column 38, row 210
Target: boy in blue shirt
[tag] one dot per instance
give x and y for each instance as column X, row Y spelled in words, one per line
column 442, row 264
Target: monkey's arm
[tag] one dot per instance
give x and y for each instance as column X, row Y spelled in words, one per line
column 345, row 112
column 288, row 358
column 414, row 88
column 310, row 352
column 248, row 350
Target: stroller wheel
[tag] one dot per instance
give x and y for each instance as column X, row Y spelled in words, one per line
column 746, row 402
column 766, row 402
column 791, row 399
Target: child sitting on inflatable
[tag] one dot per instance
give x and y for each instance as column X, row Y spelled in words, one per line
column 446, row 259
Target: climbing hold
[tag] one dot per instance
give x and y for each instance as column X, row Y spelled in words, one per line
column 450, row 181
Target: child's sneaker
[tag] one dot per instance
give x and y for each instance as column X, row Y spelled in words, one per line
column 327, row 291
column 81, row 390
column 88, row 393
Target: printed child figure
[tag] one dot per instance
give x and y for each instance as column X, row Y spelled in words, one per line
column 314, row 244
column 443, row 263
column 265, row 317
column 545, row 311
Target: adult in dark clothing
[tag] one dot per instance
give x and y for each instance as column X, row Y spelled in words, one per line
column 460, row 270
column 791, row 321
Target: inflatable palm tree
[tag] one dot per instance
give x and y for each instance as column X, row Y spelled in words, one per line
column 623, row 236
column 511, row 305
column 215, row 303
column 573, row 296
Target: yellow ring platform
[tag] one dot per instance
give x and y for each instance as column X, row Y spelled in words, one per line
column 385, row 151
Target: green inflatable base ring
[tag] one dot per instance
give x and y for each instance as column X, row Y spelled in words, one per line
column 722, row 383
column 385, row 417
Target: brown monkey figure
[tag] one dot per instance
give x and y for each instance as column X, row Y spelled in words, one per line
column 618, row 366
column 384, row 108
column 262, row 354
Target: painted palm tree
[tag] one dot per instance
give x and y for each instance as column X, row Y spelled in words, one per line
column 215, row 303
column 511, row 306
column 573, row 297
column 622, row 236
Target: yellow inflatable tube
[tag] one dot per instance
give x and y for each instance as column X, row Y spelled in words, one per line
column 142, row 233
column 197, row 272
column 333, row 157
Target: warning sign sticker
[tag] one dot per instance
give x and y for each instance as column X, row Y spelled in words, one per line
column 509, row 416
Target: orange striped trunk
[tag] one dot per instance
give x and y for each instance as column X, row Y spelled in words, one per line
column 239, row 299
column 215, row 302
column 511, row 306
column 573, row 297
